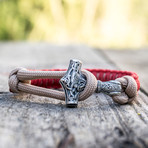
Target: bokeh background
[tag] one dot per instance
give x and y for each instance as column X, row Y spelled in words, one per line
column 98, row 23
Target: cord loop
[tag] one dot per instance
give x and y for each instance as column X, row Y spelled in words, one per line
column 129, row 90
column 13, row 80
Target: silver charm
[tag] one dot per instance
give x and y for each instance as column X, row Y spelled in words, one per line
column 111, row 88
column 73, row 82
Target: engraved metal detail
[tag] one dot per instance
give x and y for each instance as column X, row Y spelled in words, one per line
column 73, row 82
column 111, row 88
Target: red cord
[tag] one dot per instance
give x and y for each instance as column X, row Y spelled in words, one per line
column 100, row 74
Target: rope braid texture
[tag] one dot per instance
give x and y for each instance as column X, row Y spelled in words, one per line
column 41, row 82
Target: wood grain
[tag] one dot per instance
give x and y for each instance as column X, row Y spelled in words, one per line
column 29, row 121
column 132, row 60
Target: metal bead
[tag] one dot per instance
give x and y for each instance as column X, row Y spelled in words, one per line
column 110, row 88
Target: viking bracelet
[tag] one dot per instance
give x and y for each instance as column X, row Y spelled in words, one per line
column 77, row 84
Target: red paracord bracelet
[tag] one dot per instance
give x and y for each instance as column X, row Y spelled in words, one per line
column 78, row 84
column 100, row 74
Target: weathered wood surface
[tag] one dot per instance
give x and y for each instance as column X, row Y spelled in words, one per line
column 28, row 121
column 131, row 60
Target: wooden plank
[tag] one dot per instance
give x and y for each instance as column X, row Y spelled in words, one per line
column 132, row 60
column 40, row 56
column 28, row 120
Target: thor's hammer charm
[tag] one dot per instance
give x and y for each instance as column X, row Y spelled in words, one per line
column 73, row 82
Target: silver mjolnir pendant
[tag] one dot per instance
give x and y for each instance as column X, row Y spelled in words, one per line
column 73, row 82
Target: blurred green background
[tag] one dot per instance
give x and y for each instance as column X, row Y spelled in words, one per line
column 99, row 23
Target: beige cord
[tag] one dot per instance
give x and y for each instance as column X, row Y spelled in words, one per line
column 19, row 81
column 129, row 86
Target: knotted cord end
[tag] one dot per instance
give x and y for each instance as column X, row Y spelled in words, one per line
column 14, row 81
column 129, row 93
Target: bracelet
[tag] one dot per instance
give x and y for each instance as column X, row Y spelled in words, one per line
column 77, row 84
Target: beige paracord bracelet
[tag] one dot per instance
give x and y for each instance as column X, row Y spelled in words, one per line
column 77, row 85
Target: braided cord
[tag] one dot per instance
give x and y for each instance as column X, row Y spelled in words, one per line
column 19, row 82
column 100, row 74
column 23, row 80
